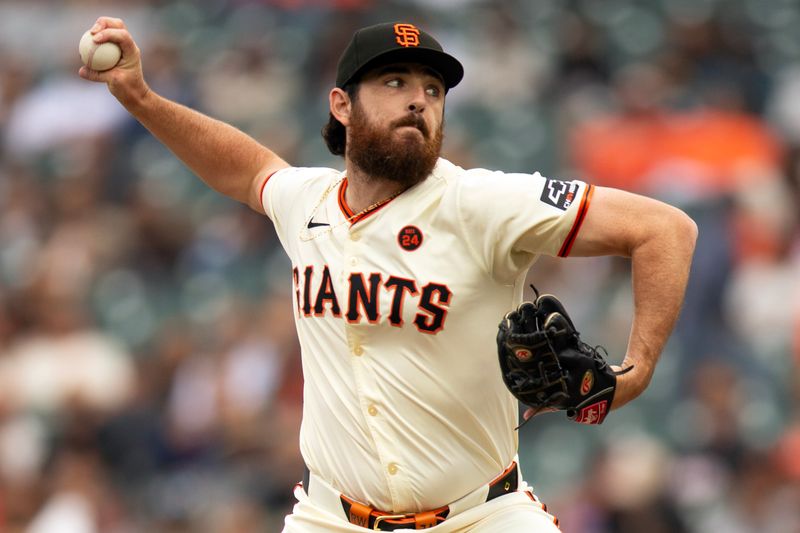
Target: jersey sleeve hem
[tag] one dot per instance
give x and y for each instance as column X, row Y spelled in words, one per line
column 566, row 247
column 263, row 186
column 266, row 203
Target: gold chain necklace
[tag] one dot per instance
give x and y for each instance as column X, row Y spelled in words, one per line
column 305, row 232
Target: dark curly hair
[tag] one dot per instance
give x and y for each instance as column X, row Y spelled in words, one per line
column 334, row 132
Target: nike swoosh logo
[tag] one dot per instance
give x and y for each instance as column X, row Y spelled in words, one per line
column 312, row 224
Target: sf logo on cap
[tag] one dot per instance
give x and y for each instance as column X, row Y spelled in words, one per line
column 407, row 35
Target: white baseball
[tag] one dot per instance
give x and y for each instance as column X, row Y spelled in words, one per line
column 98, row 56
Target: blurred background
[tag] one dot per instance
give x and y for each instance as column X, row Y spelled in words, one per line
column 149, row 371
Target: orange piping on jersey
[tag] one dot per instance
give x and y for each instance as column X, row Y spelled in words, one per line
column 365, row 214
column 544, row 508
column 576, row 226
column 261, row 191
column 349, row 214
column 342, row 203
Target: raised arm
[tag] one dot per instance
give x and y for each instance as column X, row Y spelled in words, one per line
column 227, row 159
column 660, row 241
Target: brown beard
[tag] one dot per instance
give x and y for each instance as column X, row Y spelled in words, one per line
column 372, row 149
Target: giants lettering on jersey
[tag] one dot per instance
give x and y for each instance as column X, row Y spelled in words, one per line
column 315, row 296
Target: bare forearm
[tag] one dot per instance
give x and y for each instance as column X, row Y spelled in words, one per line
column 660, row 240
column 222, row 156
column 660, row 269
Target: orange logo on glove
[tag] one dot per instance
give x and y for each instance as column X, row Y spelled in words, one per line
column 523, row 354
column 587, row 382
column 407, row 35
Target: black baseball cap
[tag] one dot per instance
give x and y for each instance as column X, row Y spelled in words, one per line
column 395, row 42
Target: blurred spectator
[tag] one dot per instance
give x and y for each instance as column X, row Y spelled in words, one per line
column 64, row 362
column 39, row 120
column 715, row 67
column 625, row 491
column 685, row 156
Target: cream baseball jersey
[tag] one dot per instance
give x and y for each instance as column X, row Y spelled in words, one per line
column 404, row 405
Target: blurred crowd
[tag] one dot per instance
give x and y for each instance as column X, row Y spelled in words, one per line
column 149, row 371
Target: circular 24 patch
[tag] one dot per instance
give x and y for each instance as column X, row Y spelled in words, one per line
column 409, row 238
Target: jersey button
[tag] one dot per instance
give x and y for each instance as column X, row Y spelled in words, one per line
column 358, row 350
column 355, row 236
column 373, row 411
column 392, row 468
column 353, row 261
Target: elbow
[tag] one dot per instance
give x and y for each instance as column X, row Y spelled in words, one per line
column 679, row 235
column 687, row 230
column 670, row 230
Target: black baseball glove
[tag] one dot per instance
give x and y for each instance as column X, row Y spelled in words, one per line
column 547, row 366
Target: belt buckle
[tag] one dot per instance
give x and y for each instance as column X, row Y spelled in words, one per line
column 381, row 518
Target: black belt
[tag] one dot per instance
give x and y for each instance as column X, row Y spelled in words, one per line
column 367, row 517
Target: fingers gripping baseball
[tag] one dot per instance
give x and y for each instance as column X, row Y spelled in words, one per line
column 125, row 80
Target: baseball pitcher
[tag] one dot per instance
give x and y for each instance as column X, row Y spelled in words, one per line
column 403, row 265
